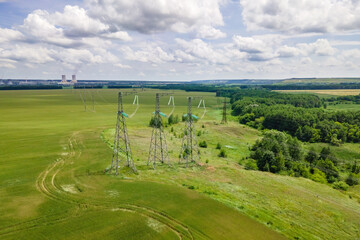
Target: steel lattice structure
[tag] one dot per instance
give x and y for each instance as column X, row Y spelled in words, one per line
column 122, row 150
column 224, row 119
column 158, row 148
column 189, row 148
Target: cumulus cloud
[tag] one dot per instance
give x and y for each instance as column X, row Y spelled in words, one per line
column 321, row 47
column 320, row 16
column 209, row 32
column 249, row 44
column 198, row 49
column 286, row 51
column 76, row 22
column 8, row 35
column 27, row 53
column 123, row 66
column 150, row 54
column 159, row 16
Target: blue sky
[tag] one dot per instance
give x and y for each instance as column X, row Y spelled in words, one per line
column 179, row 40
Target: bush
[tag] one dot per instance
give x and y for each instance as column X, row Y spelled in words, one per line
column 218, row 146
column 251, row 165
column 340, row 185
column 154, row 123
column 222, row 153
column 173, row 119
column 203, row 144
column 352, row 180
column 318, row 176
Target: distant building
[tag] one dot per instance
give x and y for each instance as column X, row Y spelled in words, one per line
column 73, row 80
column 63, row 80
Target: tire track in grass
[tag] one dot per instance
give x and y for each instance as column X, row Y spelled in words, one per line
column 51, row 191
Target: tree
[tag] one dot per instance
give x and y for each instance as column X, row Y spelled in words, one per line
column 312, row 156
column 352, row 180
column 222, row 153
column 328, row 167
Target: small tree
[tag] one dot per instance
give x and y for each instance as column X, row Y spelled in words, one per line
column 203, row 144
column 222, row 153
column 218, row 146
column 352, row 180
column 312, row 156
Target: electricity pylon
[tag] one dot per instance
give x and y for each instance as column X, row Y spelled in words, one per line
column 224, row 119
column 189, row 148
column 122, row 151
column 158, row 148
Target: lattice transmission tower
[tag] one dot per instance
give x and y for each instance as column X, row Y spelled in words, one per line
column 158, row 148
column 189, row 149
column 224, row 119
column 122, row 151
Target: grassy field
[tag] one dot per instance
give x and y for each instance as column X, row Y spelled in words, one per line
column 320, row 80
column 53, row 186
column 327, row 92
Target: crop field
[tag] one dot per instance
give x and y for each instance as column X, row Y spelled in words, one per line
column 53, row 185
column 328, row 92
column 320, row 80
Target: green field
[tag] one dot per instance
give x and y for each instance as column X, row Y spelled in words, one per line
column 320, row 80
column 53, row 186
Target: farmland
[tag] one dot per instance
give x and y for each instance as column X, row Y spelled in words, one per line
column 328, row 92
column 53, row 185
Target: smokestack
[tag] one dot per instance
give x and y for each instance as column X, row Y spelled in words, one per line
column 63, row 78
column 74, row 79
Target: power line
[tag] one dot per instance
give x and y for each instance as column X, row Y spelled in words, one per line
column 158, row 148
column 189, row 149
column 122, row 150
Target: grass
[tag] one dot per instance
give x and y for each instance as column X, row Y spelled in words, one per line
column 53, row 184
column 320, row 80
column 344, row 107
column 327, row 92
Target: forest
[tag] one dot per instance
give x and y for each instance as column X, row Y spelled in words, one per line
column 287, row 120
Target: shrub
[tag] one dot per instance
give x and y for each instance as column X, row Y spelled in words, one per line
column 352, row 180
column 218, row 146
column 154, row 123
column 203, row 144
column 173, row 119
column 318, row 176
column 251, row 165
column 222, row 153
column 340, row 185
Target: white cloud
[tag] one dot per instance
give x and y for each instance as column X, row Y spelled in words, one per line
column 150, row 54
column 321, row 47
column 27, row 53
column 159, row 15
column 209, row 32
column 351, row 54
column 201, row 50
column 302, row 16
column 7, row 65
column 123, row 66
column 8, row 35
column 249, row 44
column 38, row 28
column 121, row 35
column 286, row 51
column 75, row 22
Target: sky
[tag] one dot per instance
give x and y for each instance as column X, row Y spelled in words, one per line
column 179, row 40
